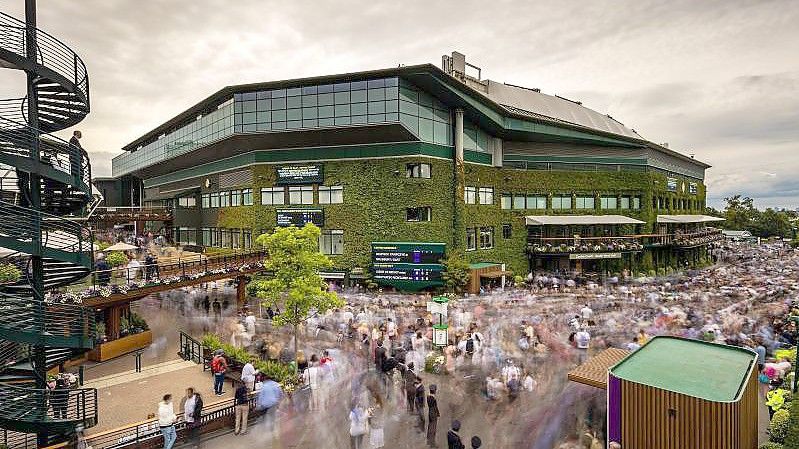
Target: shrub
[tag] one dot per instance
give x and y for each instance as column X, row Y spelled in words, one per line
column 280, row 372
column 518, row 280
column 770, row 445
column 792, row 439
column 211, row 341
column 9, row 273
column 137, row 322
column 778, row 427
column 116, row 258
column 790, row 354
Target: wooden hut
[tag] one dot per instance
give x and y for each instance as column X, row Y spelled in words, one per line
column 676, row 393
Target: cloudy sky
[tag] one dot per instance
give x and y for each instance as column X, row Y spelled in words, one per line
column 719, row 79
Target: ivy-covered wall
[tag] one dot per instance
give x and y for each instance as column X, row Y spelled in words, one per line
column 377, row 193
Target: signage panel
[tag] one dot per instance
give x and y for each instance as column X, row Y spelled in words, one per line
column 408, row 265
column 588, row 256
column 300, row 174
column 407, row 252
column 671, row 184
column 300, row 217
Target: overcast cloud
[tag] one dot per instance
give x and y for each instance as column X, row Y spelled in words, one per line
column 719, row 79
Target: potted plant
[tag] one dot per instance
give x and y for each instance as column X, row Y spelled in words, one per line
column 9, row 273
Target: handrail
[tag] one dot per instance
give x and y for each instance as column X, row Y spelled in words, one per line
column 16, row 139
column 19, row 223
column 50, row 52
column 190, row 348
column 134, row 434
column 75, row 405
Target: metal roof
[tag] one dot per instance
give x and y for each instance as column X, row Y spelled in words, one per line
column 687, row 219
column 536, row 104
column 594, row 372
column 540, row 220
column 696, row 368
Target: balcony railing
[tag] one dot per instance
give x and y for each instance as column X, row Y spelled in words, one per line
column 697, row 238
column 568, row 245
column 135, row 213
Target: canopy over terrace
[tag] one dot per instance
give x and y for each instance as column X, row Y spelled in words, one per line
column 686, row 219
column 579, row 220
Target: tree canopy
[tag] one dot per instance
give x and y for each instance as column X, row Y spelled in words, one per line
column 295, row 285
column 741, row 214
column 456, row 271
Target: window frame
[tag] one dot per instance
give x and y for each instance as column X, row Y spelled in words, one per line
column 470, row 195
column 428, row 213
column 485, row 195
column 416, row 170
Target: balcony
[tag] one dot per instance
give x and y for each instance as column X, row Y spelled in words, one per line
column 135, row 213
column 701, row 237
column 575, row 245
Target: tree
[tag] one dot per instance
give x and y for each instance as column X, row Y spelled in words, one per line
column 295, row 261
column 772, row 223
column 740, row 213
column 456, row 271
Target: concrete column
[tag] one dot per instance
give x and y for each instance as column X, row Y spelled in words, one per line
column 497, row 150
column 459, row 178
column 459, row 135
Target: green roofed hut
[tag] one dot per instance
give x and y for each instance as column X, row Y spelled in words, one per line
column 676, row 393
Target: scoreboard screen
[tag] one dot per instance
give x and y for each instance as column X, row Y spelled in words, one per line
column 408, row 265
column 300, row 217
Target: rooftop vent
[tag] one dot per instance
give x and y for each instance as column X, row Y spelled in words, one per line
column 456, row 66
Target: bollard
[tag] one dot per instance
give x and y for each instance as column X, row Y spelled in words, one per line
column 81, row 370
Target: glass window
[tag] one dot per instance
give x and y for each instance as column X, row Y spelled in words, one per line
column 609, row 202
column 187, row 201
column 518, row 201
column 417, row 214
column 235, row 238
column 331, row 195
column 331, row 242
column 584, row 202
column 470, row 195
column 507, row 231
column 506, row 201
column 224, row 199
column 214, row 199
column 235, row 198
column 637, row 202
column 486, row 238
column 561, row 202
column 536, row 202
column 246, row 197
column 471, row 239
column 417, row 171
column 486, row 195
column 246, row 238
column 206, row 200
column 624, row 202
column 273, row 195
column 301, row 195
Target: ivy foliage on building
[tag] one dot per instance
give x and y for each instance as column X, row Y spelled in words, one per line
column 456, row 272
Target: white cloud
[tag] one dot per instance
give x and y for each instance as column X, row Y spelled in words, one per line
column 716, row 78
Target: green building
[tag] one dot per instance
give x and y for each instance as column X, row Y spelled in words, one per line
column 423, row 154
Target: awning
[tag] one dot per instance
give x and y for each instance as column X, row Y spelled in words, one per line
column 565, row 220
column 687, row 219
column 594, row 372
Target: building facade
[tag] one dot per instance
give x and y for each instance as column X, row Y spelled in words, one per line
column 427, row 155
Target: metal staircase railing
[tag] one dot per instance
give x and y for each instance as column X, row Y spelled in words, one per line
column 48, row 179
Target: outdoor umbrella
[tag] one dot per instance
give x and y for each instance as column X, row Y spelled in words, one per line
column 120, row 246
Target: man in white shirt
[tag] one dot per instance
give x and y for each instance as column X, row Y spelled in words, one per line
column 583, row 339
column 586, row 313
column 248, row 373
column 166, row 421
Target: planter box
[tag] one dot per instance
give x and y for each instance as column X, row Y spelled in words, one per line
column 121, row 346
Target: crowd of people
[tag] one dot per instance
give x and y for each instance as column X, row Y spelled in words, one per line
column 504, row 365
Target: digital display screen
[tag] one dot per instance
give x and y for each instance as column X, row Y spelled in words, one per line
column 417, row 253
column 300, row 217
column 300, row 174
column 408, row 265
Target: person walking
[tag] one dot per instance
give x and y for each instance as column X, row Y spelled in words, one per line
column 269, row 397
column 419, row 403
column 409, row 379
column 192, row 411
column 453, row 438
column 312, row 376
column 359, row 426
column 242, row 404
column 166, row 421
column 432, row 416
column 219, row 368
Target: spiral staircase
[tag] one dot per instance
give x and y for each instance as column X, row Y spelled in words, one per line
column 44, row 184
